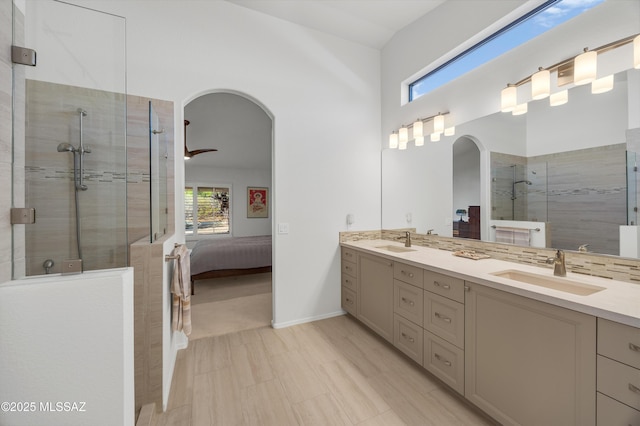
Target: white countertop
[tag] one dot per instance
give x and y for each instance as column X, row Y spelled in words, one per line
column 620, row 301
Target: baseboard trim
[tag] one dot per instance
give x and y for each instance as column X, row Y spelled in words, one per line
column 308, row 319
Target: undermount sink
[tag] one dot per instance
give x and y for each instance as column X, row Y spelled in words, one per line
column 552, row 282
column 396, row 249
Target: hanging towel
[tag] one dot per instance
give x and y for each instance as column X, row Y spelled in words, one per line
column 521, row 237
column 504, row 235
column 180, row 287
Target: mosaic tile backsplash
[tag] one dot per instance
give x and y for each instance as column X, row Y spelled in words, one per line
column 611, row 267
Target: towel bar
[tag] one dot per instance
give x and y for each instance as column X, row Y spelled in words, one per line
column 169, row 257
column 511, row 227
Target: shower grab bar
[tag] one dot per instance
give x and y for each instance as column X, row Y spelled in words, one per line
column 82, row 150
column 513, row 227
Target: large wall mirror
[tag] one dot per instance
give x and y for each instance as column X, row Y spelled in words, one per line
column 571, row 168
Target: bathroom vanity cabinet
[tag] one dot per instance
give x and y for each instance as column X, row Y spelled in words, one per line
column 528, row 362
column 520, row 360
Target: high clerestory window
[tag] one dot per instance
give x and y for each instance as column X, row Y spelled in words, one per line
column 541, row 19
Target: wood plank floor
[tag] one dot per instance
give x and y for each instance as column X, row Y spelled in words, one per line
column 330, row 372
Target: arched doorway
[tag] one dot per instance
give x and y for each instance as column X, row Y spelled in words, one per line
column 228, row 236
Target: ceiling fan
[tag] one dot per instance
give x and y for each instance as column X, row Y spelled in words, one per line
column 188, row 154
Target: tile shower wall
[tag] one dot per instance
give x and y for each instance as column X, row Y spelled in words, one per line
column 53, row 118
column 581, row 193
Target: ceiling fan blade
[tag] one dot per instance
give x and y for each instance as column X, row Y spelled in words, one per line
column 200, row 151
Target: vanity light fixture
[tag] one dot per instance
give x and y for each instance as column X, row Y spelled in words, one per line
column 579, row 70
column 559, row 98
column 540, row 84
column 393, row 140
column 585, row 67
column 400, row 139
column 602, row 85
column 418, row 129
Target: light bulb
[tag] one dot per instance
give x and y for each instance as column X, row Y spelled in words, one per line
column 438, row 123
column 559, row 98
column 418, row 129
column 602, row 85
column 403, row 135
column 540, row 84
column 520, row 109
column 636, row 52
column 508, row 98
column 393, row 140
column 585, row 68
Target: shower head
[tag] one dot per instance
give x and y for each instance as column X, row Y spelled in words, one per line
column 82, row 112
column 66, row 147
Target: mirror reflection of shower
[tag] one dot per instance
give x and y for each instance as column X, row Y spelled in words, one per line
column 78, row 173
column 514, row 195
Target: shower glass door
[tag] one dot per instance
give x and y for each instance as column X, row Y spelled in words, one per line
column 69, row 138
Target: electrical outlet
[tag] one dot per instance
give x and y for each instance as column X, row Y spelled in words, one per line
column 283, row 228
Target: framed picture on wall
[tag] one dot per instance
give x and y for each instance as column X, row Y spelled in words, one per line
column 257, row 202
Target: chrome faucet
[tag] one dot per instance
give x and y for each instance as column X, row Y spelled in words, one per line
column 583, row 248
column 429, row 231
column 407, row 237
column 559, row 267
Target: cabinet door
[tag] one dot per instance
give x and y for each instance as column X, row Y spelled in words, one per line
column 528, row 362
column 375, row 294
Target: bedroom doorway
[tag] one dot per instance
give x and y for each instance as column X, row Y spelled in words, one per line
column 228, row 212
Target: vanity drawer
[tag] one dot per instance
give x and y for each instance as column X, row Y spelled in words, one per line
column 348, row 254
column 407, row 273
column 349, row 282
column 450, row 287
column 407, row 337
column 349, row 301
column 408, row 301
column 444, row 360
column 444, row 318
column 620, row 342
column 619, row 381
column 613, row 413
column 349, row 268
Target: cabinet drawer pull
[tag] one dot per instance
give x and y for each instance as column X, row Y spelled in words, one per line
column 348, row 268
column 634, row 347
column 444, row 286
column 633, row 388
column 410, row 302
column 348, row 254
column 442, row 317
column 442, row 360
column 349, row 301
column 411, row 339
column 347, row 281
column 409, row 274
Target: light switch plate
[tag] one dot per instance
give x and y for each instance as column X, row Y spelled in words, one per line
column 283, row 228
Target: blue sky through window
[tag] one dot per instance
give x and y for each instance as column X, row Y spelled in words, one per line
column 540, row 20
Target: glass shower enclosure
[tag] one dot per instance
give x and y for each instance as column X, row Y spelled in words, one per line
column 69, row 148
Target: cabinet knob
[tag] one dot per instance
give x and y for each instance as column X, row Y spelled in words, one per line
column 633, row 388
column 442, row 317
column 634, row 347
column 409, row 274
column 410, row 302
column 407, row 337
column 444, row 286
column 442, row 360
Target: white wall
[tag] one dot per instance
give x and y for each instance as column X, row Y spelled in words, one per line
column 68, row 339
column 239, row 179
column 324, row 95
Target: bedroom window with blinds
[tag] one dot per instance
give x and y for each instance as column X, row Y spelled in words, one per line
column 206, row 210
